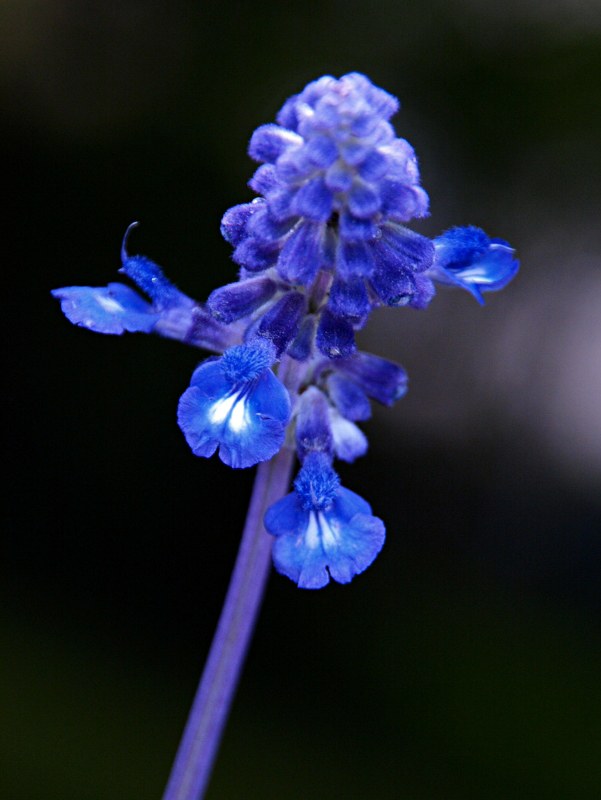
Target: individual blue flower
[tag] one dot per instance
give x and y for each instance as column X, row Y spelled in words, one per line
column 235, row 403
column 116, row 308
column 322, row 530
column 467, row 257
column 106, row 309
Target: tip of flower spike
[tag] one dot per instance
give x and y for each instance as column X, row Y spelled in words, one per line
column 124, row 254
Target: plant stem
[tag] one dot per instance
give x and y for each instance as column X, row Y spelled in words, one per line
column 198, row 748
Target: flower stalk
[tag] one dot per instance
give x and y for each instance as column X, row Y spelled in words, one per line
column 202, row 735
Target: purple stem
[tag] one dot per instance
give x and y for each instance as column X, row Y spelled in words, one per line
column 198, row 748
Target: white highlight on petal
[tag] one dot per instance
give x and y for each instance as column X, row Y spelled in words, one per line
column 349, row 441
column 321, row 532
column 312, row 532
column 238, row 418
column 108, row 304
column 232, row 411
column 330, row 532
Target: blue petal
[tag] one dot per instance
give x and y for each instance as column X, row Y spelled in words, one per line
column 339, row 178
column 349, row 299
column 302, row 255
column 269, row 142
column 335, row 336
column 401, row 247
column 254, row 255
column 263, row 181
column 247, row 422
column 379, row 378
column 394, row 285
column 402, row 202
column 312, row 545
column 354, row 229
column 233, row 222
column 374, row 167
column 107, row 309
column 321, row 151
column 363, row 201
column 281, row 323
column 349, row 441
column 314, row 200
column 313, row 431
column 466, row 257
column 237, row 300
column 302, row 347
column 354, row 258
column 266, row 229
column 424, row 291
column 150, row 279
column 349, row 399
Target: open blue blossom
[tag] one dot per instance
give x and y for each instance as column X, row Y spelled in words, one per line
column 322, row 530
column 235, row 403
column 468, row 258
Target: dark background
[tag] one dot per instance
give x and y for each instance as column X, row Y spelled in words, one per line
column 466, row 662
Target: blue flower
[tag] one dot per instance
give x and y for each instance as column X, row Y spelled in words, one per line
column 322, row 530
column 468, row 258
column 117, row 308
column 106, row 309
column 235, row 403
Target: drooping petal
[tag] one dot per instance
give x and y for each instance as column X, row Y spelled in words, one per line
column 109, row 309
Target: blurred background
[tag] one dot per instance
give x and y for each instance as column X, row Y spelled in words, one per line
column 466, row 662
